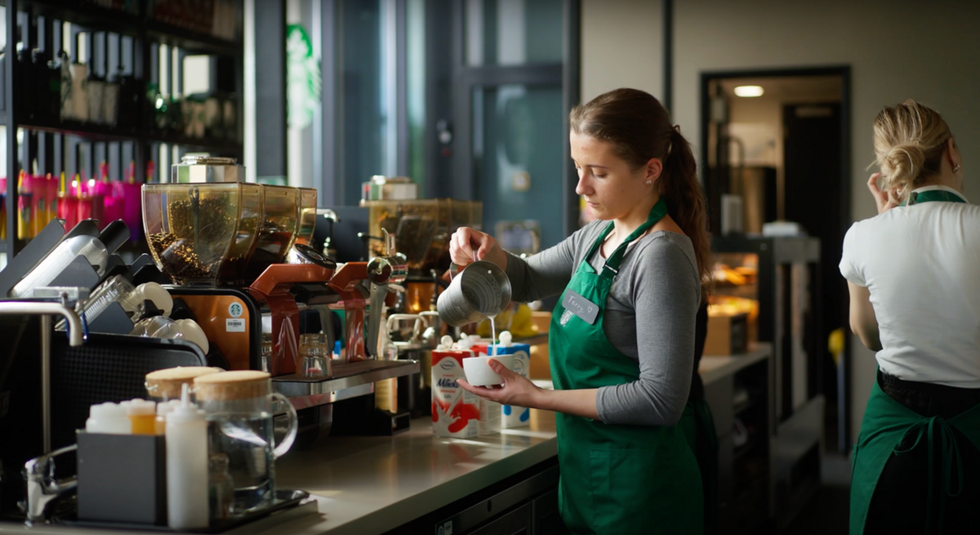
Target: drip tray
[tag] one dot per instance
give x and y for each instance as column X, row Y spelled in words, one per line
column 347, row 380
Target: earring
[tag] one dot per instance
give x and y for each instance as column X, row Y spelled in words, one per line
column 651, row 182
column 956, row 168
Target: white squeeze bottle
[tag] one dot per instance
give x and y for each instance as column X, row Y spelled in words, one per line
column 187, row 465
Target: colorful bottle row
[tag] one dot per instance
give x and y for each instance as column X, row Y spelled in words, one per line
column 43, row 198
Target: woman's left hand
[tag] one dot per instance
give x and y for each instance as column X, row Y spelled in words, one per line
column 516, row 390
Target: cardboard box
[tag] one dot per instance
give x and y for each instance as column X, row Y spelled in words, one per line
column 540, row 366
column 728, row 334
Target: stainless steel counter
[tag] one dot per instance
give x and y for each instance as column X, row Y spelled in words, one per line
column 368, row 484
column 712, row 368
column 374, row 484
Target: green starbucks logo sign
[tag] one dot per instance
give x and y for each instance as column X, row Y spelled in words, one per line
column 302, row 77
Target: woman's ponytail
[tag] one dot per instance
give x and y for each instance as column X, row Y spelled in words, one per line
column 679, row 186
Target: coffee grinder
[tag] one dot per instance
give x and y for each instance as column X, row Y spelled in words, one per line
column 215, row 237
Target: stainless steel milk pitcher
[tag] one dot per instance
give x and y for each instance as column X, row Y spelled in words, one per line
column 481, row 290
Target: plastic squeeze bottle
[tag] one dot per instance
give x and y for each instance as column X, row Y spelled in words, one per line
column 187, row 465
column 108, row 418
column 142, row 416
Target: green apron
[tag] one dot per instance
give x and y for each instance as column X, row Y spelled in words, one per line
column 698, row 424
column 886, row 423
column 615, row 478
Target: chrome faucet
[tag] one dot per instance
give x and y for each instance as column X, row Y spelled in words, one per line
column 46, row 310
column 42, row 487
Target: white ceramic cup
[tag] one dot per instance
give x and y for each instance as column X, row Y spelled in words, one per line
column 478, row 372
column 193, row 332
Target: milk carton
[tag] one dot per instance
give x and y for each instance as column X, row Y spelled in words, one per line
column 490, row 419
column 514, row 416
column 455, row 412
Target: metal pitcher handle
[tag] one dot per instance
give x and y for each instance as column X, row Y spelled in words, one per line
column 454, row 269
column 287, row 441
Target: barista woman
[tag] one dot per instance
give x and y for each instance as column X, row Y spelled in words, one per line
column 622, row 337
column 912, row 273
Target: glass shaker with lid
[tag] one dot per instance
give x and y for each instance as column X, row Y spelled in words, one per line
column 240, row 409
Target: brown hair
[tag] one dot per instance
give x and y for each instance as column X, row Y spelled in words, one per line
column 638, row 127
column 909, row 141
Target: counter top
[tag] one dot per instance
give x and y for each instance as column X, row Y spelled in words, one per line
column 370, row 484
column 712, row 368
column 374, row 484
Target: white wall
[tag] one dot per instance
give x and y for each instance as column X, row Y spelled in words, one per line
column 621, row 46
column 896, row 49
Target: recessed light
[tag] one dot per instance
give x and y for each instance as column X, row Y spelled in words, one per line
column 749, row 91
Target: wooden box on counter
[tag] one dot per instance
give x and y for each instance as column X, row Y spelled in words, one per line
column 540, row 367
column 727, row 334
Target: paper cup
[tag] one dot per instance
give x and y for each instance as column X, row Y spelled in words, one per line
column 478, row 372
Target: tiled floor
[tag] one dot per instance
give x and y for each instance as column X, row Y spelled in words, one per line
column 827, row 512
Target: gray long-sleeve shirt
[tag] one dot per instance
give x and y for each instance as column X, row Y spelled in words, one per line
column 649, row 316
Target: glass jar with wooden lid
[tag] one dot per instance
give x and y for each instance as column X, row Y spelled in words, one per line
column 240, row 410
column 164, row 385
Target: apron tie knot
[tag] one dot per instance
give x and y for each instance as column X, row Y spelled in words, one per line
column 938, row 428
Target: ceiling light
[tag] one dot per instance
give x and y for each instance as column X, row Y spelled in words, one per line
column 749, row 91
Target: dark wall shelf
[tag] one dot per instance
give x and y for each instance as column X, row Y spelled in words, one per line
column 192, row 41
column 114, row 39
column 97, row 18
column 96, row 132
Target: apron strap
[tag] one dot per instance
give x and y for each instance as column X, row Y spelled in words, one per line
column 935, row 195
column 611, row 267
column 950, row 452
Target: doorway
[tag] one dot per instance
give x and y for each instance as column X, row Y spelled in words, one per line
column 778, row 141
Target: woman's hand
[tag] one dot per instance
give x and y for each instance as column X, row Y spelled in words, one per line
column 884, row 200
column 516, row 390
column 467, row 246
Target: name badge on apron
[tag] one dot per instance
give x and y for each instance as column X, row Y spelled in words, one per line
column 580, row 306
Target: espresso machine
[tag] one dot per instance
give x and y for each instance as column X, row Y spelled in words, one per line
column 422, row 229
column 238, row 256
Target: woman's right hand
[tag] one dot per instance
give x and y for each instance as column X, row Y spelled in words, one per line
column 468, row 245
column 884, row 200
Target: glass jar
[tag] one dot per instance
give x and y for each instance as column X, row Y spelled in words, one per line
column 164, row 385
column 266, row 350
column 239, row 408
column 314, row 357
column 222, row 491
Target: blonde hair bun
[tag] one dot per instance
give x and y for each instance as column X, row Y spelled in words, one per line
column 909, row 141
column 902, row 163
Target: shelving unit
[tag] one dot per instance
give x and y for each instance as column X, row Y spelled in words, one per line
column 788, row 291
column 113, row 38
column 743, row 471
